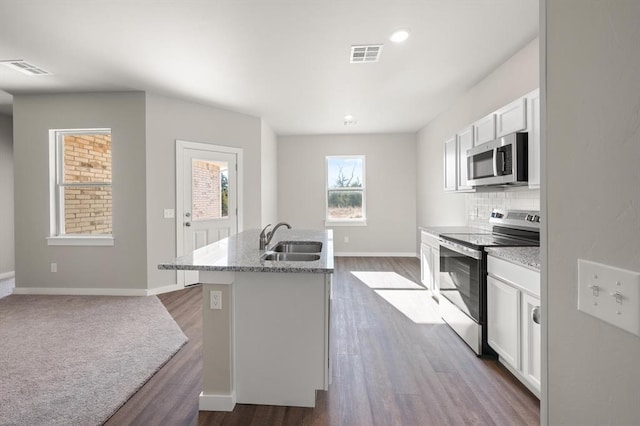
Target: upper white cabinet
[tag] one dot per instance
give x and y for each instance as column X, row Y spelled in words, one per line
column 450, row 165
column 465, row 142
column 533, row 128
column 511, row 118
column 484, row 130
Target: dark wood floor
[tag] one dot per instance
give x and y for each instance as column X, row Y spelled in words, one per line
column 389, row 367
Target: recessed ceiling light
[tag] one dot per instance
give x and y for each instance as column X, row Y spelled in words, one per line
column 399, row 36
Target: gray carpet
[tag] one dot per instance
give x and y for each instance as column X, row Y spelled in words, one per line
column 74, row 360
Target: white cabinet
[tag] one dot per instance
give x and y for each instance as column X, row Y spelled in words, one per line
column 484, row 130
column 430, row 263
column 511, row 118
column 533, row 128
column 531, row 341
column 503, row 318
column 465, row 142
column 450, row 165
column 513, row 319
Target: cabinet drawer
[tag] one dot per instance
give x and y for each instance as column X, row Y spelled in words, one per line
column 516, row 275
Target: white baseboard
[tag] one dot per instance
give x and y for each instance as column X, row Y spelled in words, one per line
column 164, row 289
column 55, row 291
column 7, row 275
column 217, row 402
column 376, row 254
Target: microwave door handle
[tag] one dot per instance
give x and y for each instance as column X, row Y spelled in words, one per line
column 503, row 157
column 495, row 161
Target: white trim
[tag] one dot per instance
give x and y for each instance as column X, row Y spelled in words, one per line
column 217, row 402
column 7, row 275
column 332, row 223
column 80, row 291
column 164, row 289
column 80, row 240
column 181, row 145
column 374, row 254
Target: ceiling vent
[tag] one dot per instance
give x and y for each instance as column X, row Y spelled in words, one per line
column 25, row 67
column 368, row 53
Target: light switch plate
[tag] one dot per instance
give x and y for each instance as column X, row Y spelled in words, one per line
column 610, row 294
column 169, row 213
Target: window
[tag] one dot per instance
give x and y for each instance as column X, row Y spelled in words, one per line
column 81, row 195
column 345, row 192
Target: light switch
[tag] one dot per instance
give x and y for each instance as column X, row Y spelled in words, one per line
column 169, row 213
column 610, row 294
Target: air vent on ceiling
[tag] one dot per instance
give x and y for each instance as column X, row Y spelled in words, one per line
column 25, row 67
column 367, row 53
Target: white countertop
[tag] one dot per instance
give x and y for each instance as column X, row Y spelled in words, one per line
column 525, row 256
column 241, row 253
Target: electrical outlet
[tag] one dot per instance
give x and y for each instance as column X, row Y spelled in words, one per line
column 54, row 267
column 216, row 300
column 346, row 239
column 610, row 294
column 169, row 213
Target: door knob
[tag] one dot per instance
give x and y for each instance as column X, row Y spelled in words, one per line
column 187, row 224
column 187, row 214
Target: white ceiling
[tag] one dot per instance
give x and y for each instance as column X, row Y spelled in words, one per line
column 284, row 60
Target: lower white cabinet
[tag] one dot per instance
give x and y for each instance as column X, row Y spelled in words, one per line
column 513, row 319
column 503, row 333
column 531, row 340
column 430, row 263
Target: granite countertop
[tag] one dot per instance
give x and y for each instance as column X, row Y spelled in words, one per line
column 437, row 230
column 241, row 253
column 525, row 256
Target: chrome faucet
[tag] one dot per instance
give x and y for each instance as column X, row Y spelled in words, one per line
column 266, row 236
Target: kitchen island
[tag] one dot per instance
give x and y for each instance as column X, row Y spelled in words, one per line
column 265, row 322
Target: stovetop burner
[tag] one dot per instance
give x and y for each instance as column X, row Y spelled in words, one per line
column 516, row 228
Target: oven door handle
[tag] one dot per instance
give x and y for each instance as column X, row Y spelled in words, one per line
column 466, row 251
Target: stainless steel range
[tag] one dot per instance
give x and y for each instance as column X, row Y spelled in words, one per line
column 463, row 272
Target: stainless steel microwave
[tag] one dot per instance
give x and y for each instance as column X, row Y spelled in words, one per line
column 503, row 161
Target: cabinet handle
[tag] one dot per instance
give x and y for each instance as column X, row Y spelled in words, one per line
column 535, row 315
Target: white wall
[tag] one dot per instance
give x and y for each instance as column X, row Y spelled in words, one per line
column 122, row 266
column 593, row 202
column 516, row 77
column 168, row 119
column 390, row 185
column 6, row 195
column 269, row 174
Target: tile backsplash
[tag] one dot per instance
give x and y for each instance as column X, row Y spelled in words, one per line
column 480, row 204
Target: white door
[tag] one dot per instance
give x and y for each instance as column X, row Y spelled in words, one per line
column 207, row 210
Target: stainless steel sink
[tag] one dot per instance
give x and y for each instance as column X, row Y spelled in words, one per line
column 290, row 257
column 298, row 247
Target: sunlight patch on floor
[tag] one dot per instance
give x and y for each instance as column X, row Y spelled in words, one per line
column 386, row 280
column 409, row 298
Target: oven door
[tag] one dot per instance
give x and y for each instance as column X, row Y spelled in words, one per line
column 461, row 273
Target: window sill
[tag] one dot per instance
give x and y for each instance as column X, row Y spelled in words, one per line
column 77, row 240
column 331, row 223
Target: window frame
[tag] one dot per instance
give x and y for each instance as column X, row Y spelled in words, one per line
column 329, row 222
column 57, row 235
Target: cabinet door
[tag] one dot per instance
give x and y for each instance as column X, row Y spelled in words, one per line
column 426, row 272
column 531, row 342
column 450, row 165
column 533, row 127
column 503, row 321
column 511, row 118
column 435, row 283
column 484, row 130
column 465, row 142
